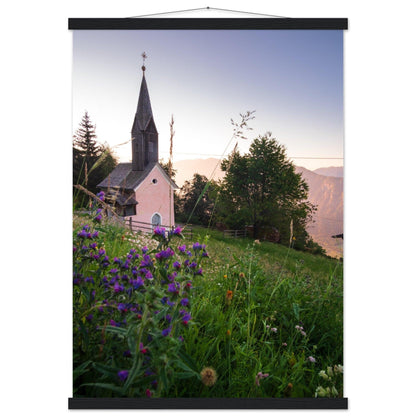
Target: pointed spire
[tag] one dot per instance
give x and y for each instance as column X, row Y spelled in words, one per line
column 144, row 108
column 144, row 133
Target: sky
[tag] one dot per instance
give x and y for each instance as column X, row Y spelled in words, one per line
column 293, row 80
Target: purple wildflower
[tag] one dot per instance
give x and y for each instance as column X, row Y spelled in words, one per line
column 145, row 250
column 122, row 307
column 123, row 374
column 173, row 287
column 101, row 195
column 146, row 262
column 186, row 316
column 177, row 231
column 159, row 231
column 197, row 246
column 259, row 376
column 137, row 283
column 176, row 265
column 172, row 276
column 166, row 331
column 118, row 288
column 185, row 302
column 148, row 275
column 82, row 234
column 182, row 248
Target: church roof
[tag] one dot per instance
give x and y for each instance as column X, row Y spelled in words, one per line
column 144, row 109
column 125, row 178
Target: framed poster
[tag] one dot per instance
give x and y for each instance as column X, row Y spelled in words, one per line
column 208, row 265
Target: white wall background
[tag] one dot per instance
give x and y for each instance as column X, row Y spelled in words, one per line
column 36, row 201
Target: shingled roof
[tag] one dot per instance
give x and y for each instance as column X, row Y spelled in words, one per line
column 144, row 109
column 125, row 178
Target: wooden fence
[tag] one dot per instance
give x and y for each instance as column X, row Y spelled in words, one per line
column 235, row 233
column 147, row 227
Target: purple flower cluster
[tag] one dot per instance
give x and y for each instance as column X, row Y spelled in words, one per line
column 160, row 231
column 145, row 288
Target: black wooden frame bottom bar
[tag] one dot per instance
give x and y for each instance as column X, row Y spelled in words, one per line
column 207, row 403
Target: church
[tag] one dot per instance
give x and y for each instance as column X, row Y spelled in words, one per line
column 141, row 190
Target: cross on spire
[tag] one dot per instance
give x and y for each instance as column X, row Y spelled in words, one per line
column 144, row 56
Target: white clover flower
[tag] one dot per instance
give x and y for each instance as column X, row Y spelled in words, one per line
column 320, row 392
column 312, row 359
column 323, row 375
column 338, row 369
column 330, row 372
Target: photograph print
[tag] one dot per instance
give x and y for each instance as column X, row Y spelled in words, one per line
column 207, row 214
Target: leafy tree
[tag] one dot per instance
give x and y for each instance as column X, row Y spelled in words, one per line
column 168, row 168
column 262, row 189
column 196, row 200
column 92, row 162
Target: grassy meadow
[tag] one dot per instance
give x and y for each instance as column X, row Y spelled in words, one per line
column 163, row 316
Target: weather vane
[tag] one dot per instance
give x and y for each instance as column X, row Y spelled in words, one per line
column 144, row 56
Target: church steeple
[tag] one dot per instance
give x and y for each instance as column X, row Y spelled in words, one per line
column 144, row 135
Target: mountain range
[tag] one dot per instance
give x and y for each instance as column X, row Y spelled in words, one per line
column 325, row 192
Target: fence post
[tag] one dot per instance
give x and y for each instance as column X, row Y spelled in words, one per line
column 130, row 224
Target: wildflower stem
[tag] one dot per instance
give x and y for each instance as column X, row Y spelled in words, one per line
column 249, row 295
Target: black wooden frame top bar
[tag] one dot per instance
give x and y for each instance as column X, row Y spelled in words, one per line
column 207, row 23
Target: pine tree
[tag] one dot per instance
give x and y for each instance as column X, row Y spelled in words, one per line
column 85, row 141
column 92, row 162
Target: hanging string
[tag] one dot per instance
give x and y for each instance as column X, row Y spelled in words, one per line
column 208, row 9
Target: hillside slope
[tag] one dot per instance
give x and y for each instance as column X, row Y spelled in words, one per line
column 327, row 193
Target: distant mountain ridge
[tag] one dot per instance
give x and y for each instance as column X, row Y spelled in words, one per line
column 336, row 171
column 325, row 191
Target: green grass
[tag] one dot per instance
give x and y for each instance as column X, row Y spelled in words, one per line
column 272, row 285
column 275, row 289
